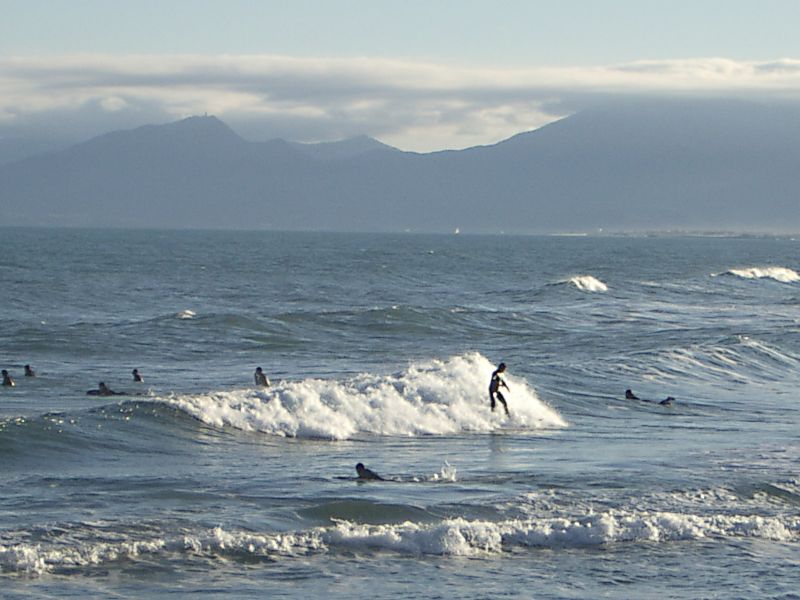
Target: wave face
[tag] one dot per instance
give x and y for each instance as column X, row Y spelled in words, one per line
column 428, row 398
column 737, row 361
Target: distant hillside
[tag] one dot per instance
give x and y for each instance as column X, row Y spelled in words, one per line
column 636, row 166
column 343, row 149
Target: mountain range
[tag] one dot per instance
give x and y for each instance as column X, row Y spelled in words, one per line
column 630, row 166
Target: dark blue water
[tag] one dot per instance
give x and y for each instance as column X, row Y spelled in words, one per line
column 379, row 348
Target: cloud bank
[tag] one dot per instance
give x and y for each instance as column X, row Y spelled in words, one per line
column 410, row 104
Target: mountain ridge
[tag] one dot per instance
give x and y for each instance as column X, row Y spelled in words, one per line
column 647, row 166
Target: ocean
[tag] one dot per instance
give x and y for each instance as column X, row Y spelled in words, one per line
column 379, row 348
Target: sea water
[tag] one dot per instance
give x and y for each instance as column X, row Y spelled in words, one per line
column 380, row 349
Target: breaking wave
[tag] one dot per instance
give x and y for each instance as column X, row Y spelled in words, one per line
column 451, row 537
column 587, row 283
column 781, row 274
column 430, row 398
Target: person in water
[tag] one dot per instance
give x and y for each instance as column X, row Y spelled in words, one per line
column 629, row 395
column 137, row 377
column 102, row 390
column 365, row 473
column 494, row 387
column 261, row 378
column 7, row 381
column 29, row 372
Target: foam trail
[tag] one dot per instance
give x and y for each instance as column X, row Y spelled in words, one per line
column 781, row 274
column 587, row 283
column 429, row 398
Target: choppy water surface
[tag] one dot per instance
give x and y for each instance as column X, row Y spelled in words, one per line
column 379, row 349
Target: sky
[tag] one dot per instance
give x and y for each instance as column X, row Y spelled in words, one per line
column 419, row 75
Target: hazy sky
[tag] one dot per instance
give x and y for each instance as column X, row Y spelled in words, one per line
column 420, row 75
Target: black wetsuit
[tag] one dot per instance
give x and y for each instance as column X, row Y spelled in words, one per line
column 365, row 473
column 494, row 390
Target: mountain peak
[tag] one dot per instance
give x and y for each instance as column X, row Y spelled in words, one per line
column 202, row 128
column 188, row 134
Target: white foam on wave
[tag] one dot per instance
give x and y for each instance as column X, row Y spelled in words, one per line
column 587, row 283
column 450, row 537
column 436, row 397
column 186, row 314
column 42, row 558
column 781, row 274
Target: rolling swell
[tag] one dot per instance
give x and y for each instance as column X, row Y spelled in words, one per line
column 400, row 320
column 737, row 360
column 131, row 426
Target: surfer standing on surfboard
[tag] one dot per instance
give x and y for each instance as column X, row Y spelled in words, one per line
column 494, row 387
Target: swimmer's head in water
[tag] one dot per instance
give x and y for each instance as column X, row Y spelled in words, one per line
column 359, row 466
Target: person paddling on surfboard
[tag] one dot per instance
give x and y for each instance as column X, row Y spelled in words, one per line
column 629, row 395
column 365, row 473
column 494, row 387
column 103, row 390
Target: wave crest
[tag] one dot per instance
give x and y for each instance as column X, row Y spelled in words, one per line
column 781, row 274
column 429, row 398
column 450, row 537
column 587, row 283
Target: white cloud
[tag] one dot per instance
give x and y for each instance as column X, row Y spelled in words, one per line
column 414, row 105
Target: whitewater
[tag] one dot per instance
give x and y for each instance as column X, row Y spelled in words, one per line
column 379, row 349
column 441, row 397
